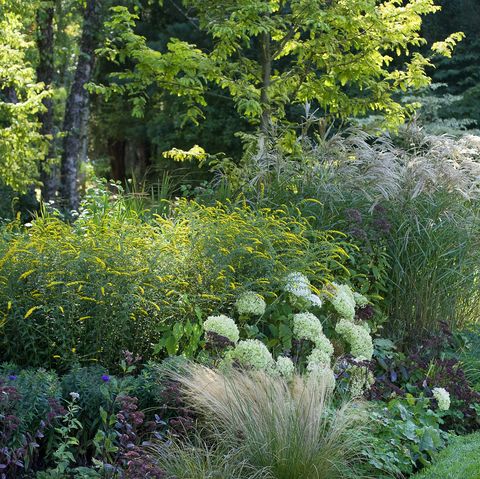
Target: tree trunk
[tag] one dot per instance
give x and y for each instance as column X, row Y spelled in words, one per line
column 77, row 105
column 266, row 62
column 116, row 152
column 45, row 73
column 266, row 116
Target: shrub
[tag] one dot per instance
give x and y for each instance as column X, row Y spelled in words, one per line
column 407, row 434
column 410, row 202
column 63, row 426
column 111, row 282
column 29, row 409
column 459, row 459
column 432, row 364
column 287, row 431
column 39, row 393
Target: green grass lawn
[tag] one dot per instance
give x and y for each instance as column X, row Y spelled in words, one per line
column 460, row 460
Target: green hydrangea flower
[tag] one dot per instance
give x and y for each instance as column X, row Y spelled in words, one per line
column 361, row 379
column 306, row 326
column 254, row 354
column 359, row 339
column 299, row 286
column 316, row 358
column 443, row 398
column 222, row 325
column 360, row 300
column 285, row 367
column 343, row 301
column 251, row 303
column 322, row 343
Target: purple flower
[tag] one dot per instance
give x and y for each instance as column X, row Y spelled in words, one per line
column 12, row 377
column 105, row 378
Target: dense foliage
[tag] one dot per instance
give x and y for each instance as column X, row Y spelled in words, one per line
column 278, row 276
column 111, row 281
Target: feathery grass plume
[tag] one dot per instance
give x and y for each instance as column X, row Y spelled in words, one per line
column 195, row 459
column 290, row 430
column 429, row 187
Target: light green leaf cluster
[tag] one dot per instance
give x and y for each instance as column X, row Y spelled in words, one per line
column 339, row 55
column 222, row 325
column 250, row 303
column 22, row 145
column 359, row 339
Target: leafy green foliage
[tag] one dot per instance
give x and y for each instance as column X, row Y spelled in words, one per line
column 21, row 144
column 407, row 435
column 269, row 55
column 83, row 292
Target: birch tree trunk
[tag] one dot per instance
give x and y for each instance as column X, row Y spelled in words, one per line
column 77, row 105
column 45, row 73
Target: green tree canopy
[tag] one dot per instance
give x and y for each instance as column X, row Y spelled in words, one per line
column 336, row 54
column 22, row 145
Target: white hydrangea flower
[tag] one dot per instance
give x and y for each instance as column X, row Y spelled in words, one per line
column 360, row 341
column 343, row 301
column 222, row 325
column 285, row 367
column 251, row 303
column 253, row 353
column 315, row 300
column 443, row 398
column 74, row 395
column 323, row 344
column 306, row 326
column 361, row 380
column 360, row 300
column 317, row 358
column 299, row 285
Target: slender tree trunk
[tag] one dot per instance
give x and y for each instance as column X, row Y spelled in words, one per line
column 10, row 94
column 266, row 117
column 116, row 152
column 45, row 73
column 77, row 105
column 143, row 157
column 266, row 62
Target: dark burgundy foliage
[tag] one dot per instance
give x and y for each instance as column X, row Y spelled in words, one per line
column 370, row 227
column 133, row 456
column 365, row 313
column 17, row 447
column 182, row 419
column 433, row 363
column 354, row 215
column 216, row 342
